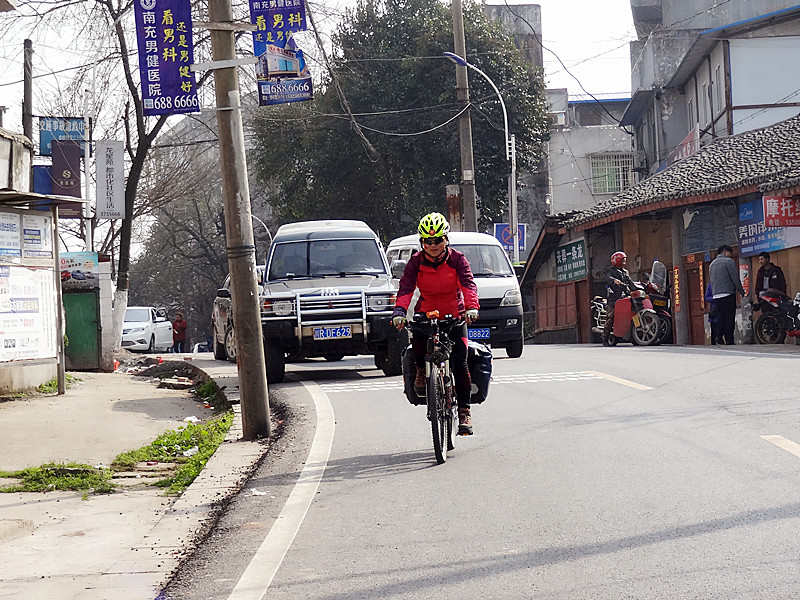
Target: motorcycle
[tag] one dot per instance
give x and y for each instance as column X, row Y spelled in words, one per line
column 780, row 316
column 634, row 318
column 657, row 291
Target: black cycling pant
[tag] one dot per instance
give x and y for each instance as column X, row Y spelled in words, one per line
column 458, row 360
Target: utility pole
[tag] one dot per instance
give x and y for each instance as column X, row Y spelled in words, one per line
column 239, row 227
column 470, row 207
column 27, row 91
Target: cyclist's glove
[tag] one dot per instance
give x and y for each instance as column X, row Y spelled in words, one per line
column 472, row 315
column 399, row 321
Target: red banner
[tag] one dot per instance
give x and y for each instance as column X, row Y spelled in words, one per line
column 781, row 212
column 676, row 288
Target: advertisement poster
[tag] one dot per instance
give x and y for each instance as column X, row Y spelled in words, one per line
column 744, row 276
column 37, row 238
column 755, row 237
column 571, row 261
column 166, row 51
column 27, row 314
column 10, row 236
column 79, row 271
column 281, row 71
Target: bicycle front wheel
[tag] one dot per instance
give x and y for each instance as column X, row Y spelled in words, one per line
column 437, row 413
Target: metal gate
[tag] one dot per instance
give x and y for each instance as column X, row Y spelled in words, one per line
column 82, row 313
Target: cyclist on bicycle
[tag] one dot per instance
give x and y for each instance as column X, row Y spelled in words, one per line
column 445, row 283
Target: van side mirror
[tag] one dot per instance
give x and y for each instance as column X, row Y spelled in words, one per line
column 223, row 293
column 398, row 266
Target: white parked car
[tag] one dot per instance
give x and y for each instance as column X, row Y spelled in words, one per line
column 146, row 329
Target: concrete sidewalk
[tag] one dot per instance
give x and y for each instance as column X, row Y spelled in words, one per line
column 123, row 545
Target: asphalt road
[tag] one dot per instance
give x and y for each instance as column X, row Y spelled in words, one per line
column 600, row 473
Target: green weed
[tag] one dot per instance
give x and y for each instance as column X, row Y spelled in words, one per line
column 51, row 387
column 170, row 446
column 207, row 390
column 60, row 476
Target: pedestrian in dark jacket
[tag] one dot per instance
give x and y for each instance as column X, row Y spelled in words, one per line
column 769, row 276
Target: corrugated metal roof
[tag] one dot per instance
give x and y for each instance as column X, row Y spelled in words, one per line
column 762, row 157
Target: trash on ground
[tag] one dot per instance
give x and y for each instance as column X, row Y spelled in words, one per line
column 257, row 493
column 176, row 383
column 191, row 451
column 192, row 419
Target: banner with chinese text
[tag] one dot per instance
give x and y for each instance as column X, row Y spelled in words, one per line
column 781, row 212
column 755, row 237
column 110, row 180
column 166, row 52
column 281, row 71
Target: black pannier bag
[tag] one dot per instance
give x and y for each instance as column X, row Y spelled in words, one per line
column 479, row 361
column 409, row 374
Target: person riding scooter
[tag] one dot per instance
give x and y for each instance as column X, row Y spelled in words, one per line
column 618, row 281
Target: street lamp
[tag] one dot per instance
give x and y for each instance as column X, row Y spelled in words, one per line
column 511, row 156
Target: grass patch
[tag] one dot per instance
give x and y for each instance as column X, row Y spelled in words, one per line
column 198, row 441
column 60, row 476
column 51, row 387
column 207, row 390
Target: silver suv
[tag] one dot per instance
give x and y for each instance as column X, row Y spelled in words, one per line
column 328, row 293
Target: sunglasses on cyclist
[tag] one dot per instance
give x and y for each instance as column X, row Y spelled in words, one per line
column 432, row 241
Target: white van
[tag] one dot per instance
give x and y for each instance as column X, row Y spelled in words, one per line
column 500, row 322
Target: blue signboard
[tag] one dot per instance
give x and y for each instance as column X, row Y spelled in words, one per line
column 502, row 231
column 275, row 20
column 755, row 238
column 60, row 128
column 166, row 52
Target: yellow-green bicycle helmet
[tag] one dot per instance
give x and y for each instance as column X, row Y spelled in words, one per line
column 433, row 225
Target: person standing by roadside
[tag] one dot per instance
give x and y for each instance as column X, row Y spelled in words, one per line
column 725, row 283
column 769, row 275
column 713, row 314
column 179, row 326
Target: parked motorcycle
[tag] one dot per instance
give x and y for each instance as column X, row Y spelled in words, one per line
column 658, row 292
column 780, row 316
column 634, row 318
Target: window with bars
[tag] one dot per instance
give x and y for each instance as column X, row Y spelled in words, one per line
column 611, row 173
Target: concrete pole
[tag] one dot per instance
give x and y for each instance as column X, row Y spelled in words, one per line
column 27, row 92
column 239, row 231
column 682, row 315
column 464, row 123
column 61, row 373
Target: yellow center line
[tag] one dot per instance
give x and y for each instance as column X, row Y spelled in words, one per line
column 781, row 442
column 619, row 380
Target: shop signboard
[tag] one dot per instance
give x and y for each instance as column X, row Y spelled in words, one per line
column 110, row 180
column 60, row 129
column 781, row 212
column 754, row 235
column 571, row 261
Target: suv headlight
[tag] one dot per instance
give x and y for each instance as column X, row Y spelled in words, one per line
column 512, row 298
column 279, row 308
column 381, row 302
column 139, row 329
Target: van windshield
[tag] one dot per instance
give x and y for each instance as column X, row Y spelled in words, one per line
column 486, row 260
column 318, row 258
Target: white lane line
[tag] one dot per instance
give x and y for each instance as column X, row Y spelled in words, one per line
column 619, row 380
column 781, row 442
column 258, row 575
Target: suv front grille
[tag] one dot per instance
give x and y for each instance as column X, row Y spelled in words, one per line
column 325, row 308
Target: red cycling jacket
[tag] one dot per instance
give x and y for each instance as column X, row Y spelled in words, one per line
column 446, row 286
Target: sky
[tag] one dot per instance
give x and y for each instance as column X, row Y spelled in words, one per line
column 590, row 37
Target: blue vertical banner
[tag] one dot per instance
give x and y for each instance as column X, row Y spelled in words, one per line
column 281, row 70
column 166, row 53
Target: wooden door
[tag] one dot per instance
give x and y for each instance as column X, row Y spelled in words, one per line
column 693, row 301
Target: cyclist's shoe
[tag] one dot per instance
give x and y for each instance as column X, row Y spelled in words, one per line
column 464, row 422
column 419, row 382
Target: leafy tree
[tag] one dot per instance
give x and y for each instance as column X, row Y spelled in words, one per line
column 387, row 61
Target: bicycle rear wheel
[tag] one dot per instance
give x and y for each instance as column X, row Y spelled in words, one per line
column 437, row 414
